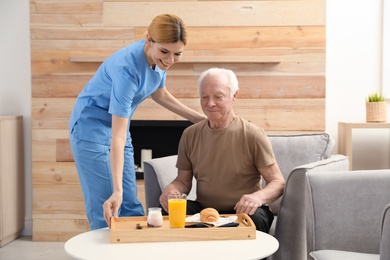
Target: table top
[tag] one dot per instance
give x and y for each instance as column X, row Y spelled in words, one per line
column 96, row 245
column 365, row 124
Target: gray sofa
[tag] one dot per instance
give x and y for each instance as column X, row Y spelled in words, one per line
column 347, row 215
column 295, row 155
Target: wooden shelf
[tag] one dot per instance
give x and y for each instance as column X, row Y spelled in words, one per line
column 197, row 59
column 87, row 58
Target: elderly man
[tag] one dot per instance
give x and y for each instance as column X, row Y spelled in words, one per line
column 228, row 155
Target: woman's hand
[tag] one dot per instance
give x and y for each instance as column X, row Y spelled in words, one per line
column 111, row 207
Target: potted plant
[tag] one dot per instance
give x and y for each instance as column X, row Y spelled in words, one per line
column 376, row 110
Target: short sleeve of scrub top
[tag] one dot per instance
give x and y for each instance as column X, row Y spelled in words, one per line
column 121, row 83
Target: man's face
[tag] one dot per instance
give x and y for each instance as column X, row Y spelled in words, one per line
column 215, row 100
column 164, row 55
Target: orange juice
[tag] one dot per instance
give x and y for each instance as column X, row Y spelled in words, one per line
column 177, row 208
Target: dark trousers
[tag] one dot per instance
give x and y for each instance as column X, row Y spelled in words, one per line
column 262, row 218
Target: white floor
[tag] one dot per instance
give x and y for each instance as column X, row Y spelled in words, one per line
column 25, row 249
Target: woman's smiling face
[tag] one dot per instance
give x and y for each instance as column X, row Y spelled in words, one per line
column 164, row 55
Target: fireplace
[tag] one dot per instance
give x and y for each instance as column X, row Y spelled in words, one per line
column 156, row 137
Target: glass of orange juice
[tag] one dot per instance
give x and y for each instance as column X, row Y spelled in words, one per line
column 177, row 208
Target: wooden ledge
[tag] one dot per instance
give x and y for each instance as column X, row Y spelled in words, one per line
column 197, row 59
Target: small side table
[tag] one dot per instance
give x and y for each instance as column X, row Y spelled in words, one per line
column 345, row 136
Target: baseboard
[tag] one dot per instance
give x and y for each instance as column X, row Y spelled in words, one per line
column 27, row 231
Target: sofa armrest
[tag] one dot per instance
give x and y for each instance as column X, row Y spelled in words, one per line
column 344, row 210
column 290, row 229
column 152, row 188
column 158, row 173
column 385, row 235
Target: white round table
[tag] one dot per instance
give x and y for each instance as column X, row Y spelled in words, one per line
column 95, row 245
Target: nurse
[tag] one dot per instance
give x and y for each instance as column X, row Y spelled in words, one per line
column 100, row 121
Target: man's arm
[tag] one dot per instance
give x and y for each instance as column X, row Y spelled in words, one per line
column 181, row 184
column 273, row 190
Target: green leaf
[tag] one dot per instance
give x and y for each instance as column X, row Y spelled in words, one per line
column 375, row 97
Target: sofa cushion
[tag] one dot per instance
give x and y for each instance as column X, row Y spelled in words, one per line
column 345, row 255
column 295, row 150
column 166, row 172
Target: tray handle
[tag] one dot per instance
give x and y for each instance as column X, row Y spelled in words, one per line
column 246, row 220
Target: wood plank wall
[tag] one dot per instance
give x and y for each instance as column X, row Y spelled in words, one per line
column 277, row 49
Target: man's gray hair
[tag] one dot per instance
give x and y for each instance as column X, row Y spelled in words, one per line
column 233, row 82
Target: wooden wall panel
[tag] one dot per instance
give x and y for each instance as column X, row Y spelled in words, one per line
column 63, row 151
column 82, row 33
column 69, row 7
column 55, row 173
column 54, row 228
column 218, row 13
column 60, row 86
column 250, row 86
column 277, row 53
column 256, row 87
column 53, row 20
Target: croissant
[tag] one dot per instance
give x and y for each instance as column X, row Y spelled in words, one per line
column 209, row 215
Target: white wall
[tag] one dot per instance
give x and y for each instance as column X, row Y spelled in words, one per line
column 15, row 75
column 353, row 70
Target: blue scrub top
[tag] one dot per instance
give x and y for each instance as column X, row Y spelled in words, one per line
column 120, row 84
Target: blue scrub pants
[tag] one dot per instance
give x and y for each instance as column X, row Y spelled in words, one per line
column 93, row 166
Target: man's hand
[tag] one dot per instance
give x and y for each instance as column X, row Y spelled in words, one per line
column 170, row 189
column 248, row 204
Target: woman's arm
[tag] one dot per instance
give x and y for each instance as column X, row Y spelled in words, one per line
column 167, row 100
column 118, row 141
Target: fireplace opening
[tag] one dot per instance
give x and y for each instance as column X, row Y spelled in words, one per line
column 154, row 139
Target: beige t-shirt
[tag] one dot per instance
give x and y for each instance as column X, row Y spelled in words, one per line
column 224, row 161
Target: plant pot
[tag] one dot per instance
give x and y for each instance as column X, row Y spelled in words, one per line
column 376, row 112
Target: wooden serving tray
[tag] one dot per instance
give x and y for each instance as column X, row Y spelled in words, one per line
column 124, row 230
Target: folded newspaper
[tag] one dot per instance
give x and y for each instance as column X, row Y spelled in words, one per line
column 221, row 222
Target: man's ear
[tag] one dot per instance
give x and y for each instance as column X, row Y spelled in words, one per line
column 235, row 96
